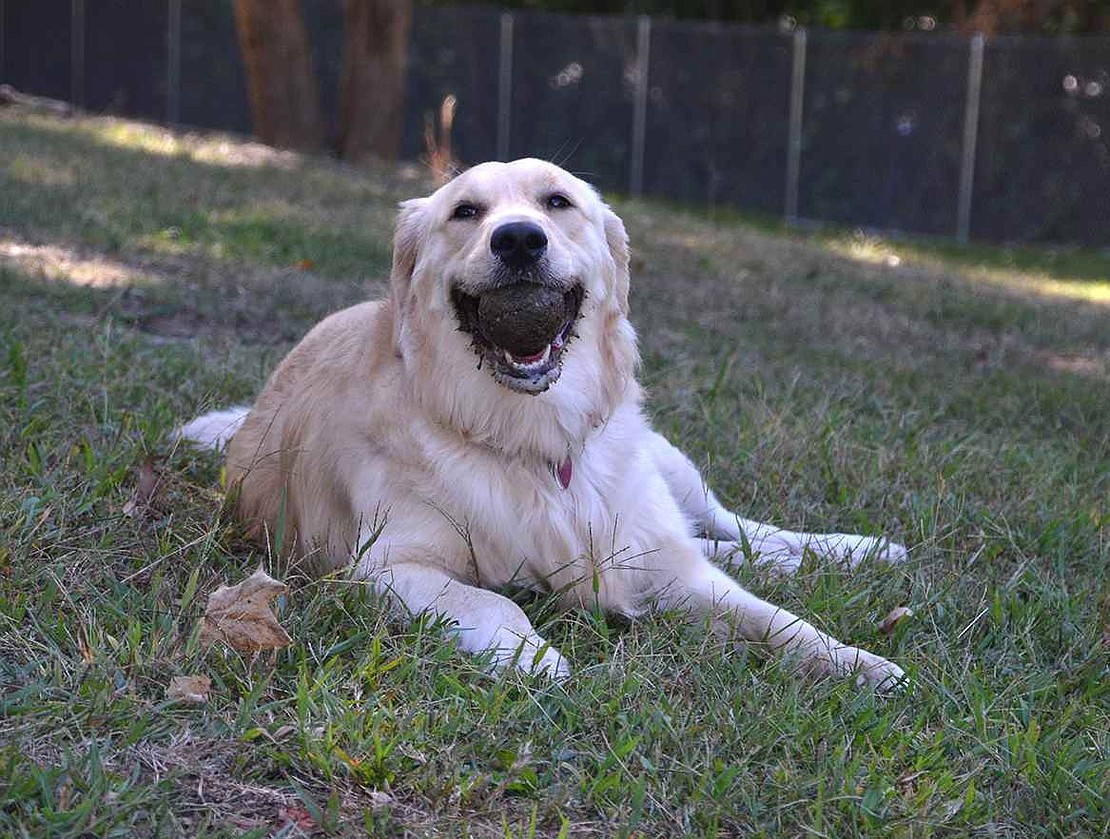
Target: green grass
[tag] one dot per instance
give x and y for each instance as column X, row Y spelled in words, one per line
column 958, row 403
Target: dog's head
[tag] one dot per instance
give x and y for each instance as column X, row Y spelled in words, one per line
column 521, row 261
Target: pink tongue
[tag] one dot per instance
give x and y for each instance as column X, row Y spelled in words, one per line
column 528, row 359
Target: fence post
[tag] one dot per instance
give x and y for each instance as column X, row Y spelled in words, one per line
column 971, row 135
column 794, row 130
column 504, row 86
column 173, row 63
column 77, row 53
column 639, row 107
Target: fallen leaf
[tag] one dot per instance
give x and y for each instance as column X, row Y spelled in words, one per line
column 305, row 264
column 240, row 615
column 895, row 617
column 146, row 488
column 189, row 688
column 298, row 815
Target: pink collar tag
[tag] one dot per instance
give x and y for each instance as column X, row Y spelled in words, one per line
column 562, row 472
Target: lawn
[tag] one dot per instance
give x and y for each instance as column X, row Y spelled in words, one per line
column 956, row 399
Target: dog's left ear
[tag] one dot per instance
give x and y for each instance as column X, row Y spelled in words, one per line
column 617, row 239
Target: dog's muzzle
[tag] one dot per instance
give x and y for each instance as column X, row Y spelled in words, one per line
column 521, row 329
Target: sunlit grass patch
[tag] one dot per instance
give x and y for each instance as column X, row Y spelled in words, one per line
column 1032, row 275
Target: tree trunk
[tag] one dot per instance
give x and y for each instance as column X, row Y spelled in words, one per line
column 285, row 103
column 372, row 85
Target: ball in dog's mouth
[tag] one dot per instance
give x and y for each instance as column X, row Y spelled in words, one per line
column 521, row 330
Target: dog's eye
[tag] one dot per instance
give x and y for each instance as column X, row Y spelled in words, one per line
column 465, row 211
column 558, row 201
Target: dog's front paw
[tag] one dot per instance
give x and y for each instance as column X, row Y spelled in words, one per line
column 869, row 670
column 872, row 670
column 550, row 664
column 535, row 657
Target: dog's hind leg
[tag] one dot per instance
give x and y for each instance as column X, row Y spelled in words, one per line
column 785, row 558
column 480, row 619
column 728, row 537
column 696, row 499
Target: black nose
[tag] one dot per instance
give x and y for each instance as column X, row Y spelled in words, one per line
column 519, row 243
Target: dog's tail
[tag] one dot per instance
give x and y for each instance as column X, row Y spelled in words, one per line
column 214, row 429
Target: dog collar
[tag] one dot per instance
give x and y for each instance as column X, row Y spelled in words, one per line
column 563, row 471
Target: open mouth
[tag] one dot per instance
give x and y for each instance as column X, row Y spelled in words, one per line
column 520, row 330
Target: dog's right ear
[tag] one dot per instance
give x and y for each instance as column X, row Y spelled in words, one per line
column 406, row 246
column 407, row 239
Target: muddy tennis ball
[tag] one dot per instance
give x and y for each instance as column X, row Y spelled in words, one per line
column 522, row 318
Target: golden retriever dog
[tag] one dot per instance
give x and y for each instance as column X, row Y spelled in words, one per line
column 482, row 427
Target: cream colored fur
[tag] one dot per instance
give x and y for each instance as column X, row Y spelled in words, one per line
column 393, row 452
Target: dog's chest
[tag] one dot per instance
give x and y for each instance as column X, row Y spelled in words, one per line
column 537, row 523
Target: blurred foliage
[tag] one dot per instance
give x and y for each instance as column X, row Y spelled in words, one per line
column 1055, row 17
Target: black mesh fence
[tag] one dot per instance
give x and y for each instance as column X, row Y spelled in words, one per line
column 454, row 52
column 213, row 83
column 877, row 136
column 717, row 115
column 125, row 69
column 882, row 130
column 38, row 47
column 1043, row 163
column 572, row 90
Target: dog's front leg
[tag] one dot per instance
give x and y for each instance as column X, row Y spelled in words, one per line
column 482, row 620
column 704, row 590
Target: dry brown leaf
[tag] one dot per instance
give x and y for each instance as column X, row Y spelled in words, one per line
column 893, row 618
column 146, row 488
column 240, row 615
column 298, row 815
column 189, row 688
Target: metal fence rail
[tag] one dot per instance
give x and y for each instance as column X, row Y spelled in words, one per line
column 1001, row 139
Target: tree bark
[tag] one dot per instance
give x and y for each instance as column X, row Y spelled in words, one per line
column 372, row 84
column 284, row 98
